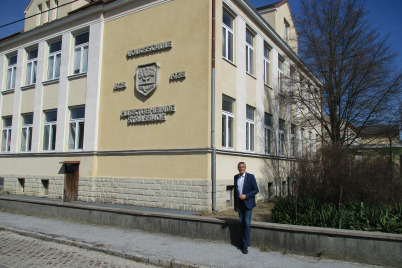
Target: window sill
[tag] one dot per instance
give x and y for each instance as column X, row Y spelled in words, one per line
column 8, row 91
column 251, row 75
column 228, row 149
column 268, row 86
column 28, row 87
column 75, row 150
column 230, row 62
column 76, row 76
column 50, row 82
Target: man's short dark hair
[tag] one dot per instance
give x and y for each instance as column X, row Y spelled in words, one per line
column 241, row 163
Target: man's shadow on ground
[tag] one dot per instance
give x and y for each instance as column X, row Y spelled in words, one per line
column 236, row 235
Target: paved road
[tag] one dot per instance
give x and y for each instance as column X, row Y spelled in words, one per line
column 157, row 249
column 22, row 251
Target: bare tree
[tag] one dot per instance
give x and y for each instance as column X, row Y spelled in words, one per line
column 361, row 85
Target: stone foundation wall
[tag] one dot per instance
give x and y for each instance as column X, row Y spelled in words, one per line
column 33, row 185
column 183, row 194
column 162, row 193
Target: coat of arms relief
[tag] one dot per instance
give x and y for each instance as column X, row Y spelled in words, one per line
column 146, row 78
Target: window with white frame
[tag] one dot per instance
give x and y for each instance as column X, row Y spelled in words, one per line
column 26, row 135
column 268, row 132
column 282, row 138
column 286, row 34
column 6, row 137
column 32, row 62
column 267, row 68
column 227, row 123
column 281, row 86
column 249, row 128
column 249, row 52
column 292, row 148
column 49, row 131
column 227, row 36
column 11, row 71
column 81, row 53
column 53, row 69
column 76, row 137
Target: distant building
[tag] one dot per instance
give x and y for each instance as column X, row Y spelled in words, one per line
column 149, row 103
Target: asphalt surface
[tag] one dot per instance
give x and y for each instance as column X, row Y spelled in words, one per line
column 155, row 249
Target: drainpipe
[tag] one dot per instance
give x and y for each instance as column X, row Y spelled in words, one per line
column 213, row 164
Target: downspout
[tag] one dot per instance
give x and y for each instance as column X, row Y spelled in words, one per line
column 213, row 168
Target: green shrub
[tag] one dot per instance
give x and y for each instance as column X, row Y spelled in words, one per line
column 353, row 216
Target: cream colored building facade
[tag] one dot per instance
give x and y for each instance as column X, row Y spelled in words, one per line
column 148, row 103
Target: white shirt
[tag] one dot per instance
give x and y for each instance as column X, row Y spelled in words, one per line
column 240, row 183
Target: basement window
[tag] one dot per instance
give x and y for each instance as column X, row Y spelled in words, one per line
column 22, row 185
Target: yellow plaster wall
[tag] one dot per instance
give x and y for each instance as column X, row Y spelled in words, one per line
column 7, row 104
column 46, row 166
column 52, row 94
column 27, row 101
column 76, row 91
column 163, row 166
column 48, row 16
column 187, row 25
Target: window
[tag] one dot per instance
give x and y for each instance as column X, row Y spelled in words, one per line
column 6, row 137
column 39, row 17
column 281, row 137
column 292, row 81
column 227, row 123
column 11, row 71
column 53, row 70
column 227, row 36
column 49, row 132
column 48, row 12
column 56, row 5
column 281, row 87
column 76, row 138
column 309, row 144
column 32, row 62
column 81, row 53
column 1, row 184
column 302, row 152
column 249, row 128
column 45, row 187
column 286, row 34
column 268, row 133
column 249, row 53
column 22, row 184
column 267, row 68
column 292, row 140
column 26, row 135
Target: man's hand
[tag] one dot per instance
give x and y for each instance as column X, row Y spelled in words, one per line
column 242, row 197
column 235, row 209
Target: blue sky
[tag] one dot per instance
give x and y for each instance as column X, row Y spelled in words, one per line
column 384, row 15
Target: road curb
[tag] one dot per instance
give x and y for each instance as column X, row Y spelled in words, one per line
column 153, row 260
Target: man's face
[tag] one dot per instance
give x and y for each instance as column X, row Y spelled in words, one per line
column 241, row 168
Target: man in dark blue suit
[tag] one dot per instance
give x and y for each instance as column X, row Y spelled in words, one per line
column 246, row 188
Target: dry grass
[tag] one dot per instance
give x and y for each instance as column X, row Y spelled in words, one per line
column 262, row 212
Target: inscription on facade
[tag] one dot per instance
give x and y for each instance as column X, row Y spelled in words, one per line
column 178, row 75
column 149, row 49
column 153, row 114
column 146, row 78
column 119, row 86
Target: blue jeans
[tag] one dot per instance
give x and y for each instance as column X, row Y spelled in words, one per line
column 245, row 222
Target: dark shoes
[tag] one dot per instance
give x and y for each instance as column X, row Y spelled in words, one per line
column 244, row 250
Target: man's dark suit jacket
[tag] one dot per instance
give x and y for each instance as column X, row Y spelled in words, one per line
column 250, row 189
